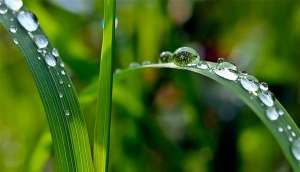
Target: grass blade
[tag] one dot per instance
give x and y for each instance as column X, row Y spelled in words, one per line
column 103, row 116
column 284, row 130
column 66, row 122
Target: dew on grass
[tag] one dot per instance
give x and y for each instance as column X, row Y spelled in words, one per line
column 16, row 42
column 63, row 72
column 147, row 62
column 296, row 149
column 61, row 95
column 249, row 83
column 166, row 57
column 67, row 113
column 13, row 29
column 226, row 70
column 28, row 21
column 202, row 65
column 14, row 5
column 288, row 127
column 280, row 129
column 134, row 65
column 55, row 52
column 272, row 114
column 264, row 86
column 266, row 98
column 40, row 41
column 50, row 60
column 3, row 10
column 185, row 56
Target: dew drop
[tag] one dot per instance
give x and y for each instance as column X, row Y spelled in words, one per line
column 272, row 114
column 39, row 58
column 16, row 42
column 61, row 95
column 227, row 71
column 264, row 86
column 202, row 65
column 166, row 57
column 3, row 10
column 61, row 82
column 63, row 72
column 134, row 65
column 249, row 83
column 280, row 112
column 50, row 60
column 290, row 139
column 296, row 149
column 14, row 5
column 185, row 56
column 146, row 62
column 288, row 127
column 267, row 98
column 280, row 129
column 293, row 134
column 67, row 113
column 69, row 85
column 55, row 52
column 13, row 29
column 40, row 41
column 28, row 21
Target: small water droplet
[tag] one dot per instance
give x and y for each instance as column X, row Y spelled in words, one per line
column 55, row 52
column 227, row 71
column 63, row 72
column 61, row 82
column 267, row 98
column 39, row 58
column 249, row 83
column 16, row 41
column 293, row 134
column 69, row 85
column 28, row 21
column 62, row 65
column 117, row 71
column 30, row 34
column 280, row 112
column 3, row 10
column 296, row 149
column 185, row 56
column 272, row 114
column 40, row 41
column 220, row 60
column 14, row 5
column 61, row 95
column 264, row 86
column 134, row 65
column 50, row 60
column 290, row 139
column 13, row 29
column 166, row 57
column 280, row 129
column 147, row 62
column 288, row 127
column 202, row 65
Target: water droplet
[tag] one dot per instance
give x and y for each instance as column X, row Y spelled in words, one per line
column 55, row 52
column 3, row 10
column 14, row 5
column 166, row 57
column 185, row 56
column 134, row 65
column 288, row 127
column 264, row 86
column 67, row 113
column 280, row 112
column 50, row 60
column 61, row 95
column 28, row 21
column 61, row 82
column 16, row 41
column 267, row 98
column 249, row 83
column 63, row 72
column 40, row 41
column 117, row 71
column 280, row 129
column 69, row 85
column 30, row 35
column 293, row 134
column 290, row 139
column 146, row 62
column 227, row 71
column 272, row 113
column 62, row 65
column 13, row 29
column 39, row 58
column 296, row 149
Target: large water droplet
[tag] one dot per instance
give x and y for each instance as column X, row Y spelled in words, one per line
column 267, row 98
column 40, row 41
column 166, row 57
column 296, row 149
column 226, row 70
column 185, row 56
column 28, row 21
column 272, row 113
column 50, row 60
column 3, row 9
column 14, row 5
column 249, row 83
column 13, row 29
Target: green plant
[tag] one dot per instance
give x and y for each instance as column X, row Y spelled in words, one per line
column 67, row 126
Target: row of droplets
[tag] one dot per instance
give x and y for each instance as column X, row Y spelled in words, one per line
column 30, row 23
column 188, row 57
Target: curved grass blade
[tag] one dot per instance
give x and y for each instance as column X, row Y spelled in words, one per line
column 103, row 116
column 66, row 122
column 284, row 129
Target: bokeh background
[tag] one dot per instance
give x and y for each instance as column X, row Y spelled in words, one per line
column 163, row 120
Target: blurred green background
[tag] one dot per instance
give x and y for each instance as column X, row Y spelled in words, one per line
column 162, row 120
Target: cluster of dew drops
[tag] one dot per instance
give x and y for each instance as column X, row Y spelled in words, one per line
column 188, row 57
column 30, row 23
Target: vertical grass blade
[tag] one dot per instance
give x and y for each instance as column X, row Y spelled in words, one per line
column 66, row 122
column 103, row 116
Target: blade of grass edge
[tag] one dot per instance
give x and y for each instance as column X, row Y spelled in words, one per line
column 286, row 122
column 69, row 132
column 103, row 116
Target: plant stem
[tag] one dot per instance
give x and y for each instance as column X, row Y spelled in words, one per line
column 103, row 116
